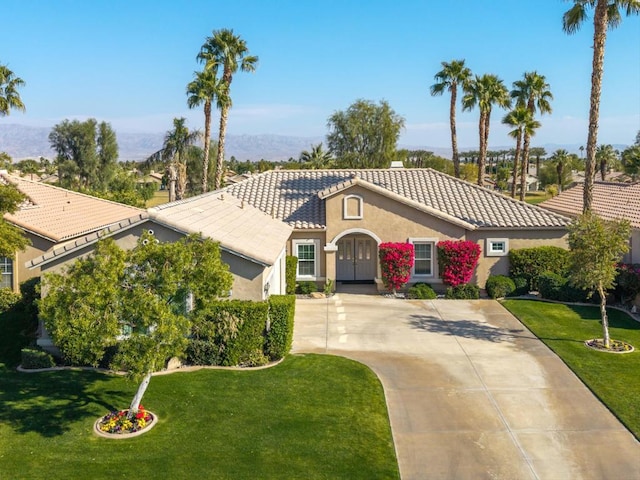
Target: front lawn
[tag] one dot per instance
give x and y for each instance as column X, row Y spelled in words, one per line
column 311, row 417
column 611, row 377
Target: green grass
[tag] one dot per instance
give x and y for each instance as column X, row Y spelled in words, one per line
column 311, row 417
column 159, row 197
column 535, row 198
column 611, row 377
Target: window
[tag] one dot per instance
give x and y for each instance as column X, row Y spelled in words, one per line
column 497, row 247
column 307, row 253
column 423, row 260
column 6, row 273
column 352, row 207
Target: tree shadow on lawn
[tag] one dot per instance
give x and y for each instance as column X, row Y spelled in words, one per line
column 617, row 318
column 49, row 402
column 466, row 329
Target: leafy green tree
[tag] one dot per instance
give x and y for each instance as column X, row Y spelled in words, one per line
column 485, row 91
column 365, row 135
column 606, row 15
column 597, row 246
column 606, row 156
column 317, row 158
column 107, row 154
column 532, row 93
column 135, row 301
column 9, row 96
column 11, row 237
column 451, row 76
column 225, row 50
column 28, row 166
column 205, row 88
column 425, row 159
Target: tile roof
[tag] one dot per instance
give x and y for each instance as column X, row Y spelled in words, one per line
column 293, row 197
column 239, row 227
column 59, row 214
column 611, row 200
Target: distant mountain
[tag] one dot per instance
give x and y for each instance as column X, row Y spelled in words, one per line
column 21, row 141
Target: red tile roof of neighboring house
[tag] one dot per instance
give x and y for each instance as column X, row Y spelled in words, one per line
column 611, row 200
column 59, row 215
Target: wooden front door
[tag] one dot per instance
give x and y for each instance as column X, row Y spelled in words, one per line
column 356, row 258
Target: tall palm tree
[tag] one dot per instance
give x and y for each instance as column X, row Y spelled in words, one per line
column 9, row 96
column 516, row 118
column 485, row 91
column 317, row 158
column 606, row 14
column 560, row 158
column 532, row 92
column 452, row 75
column 174, row 149
column 606, row 156
column 225, row 50
column 202, row 90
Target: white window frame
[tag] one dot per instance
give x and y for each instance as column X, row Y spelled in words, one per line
column 316, row 267
column 424, row 276
column 7, row 264
column 490, row 251
column 345, row 208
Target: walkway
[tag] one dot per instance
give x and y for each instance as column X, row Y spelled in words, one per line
column 471, row 393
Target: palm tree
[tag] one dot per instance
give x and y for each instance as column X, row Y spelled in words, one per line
column 9, row 96
column 452, row 75
column 532, row 92
column 202, row 91
column 561, row 160
column 524, row 125
column 174, row 149
column 606, row 14
column 485, row 91
column 229, row 51
column 317, row 158
column 606, row 156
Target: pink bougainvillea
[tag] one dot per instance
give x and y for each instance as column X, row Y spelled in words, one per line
column 396, row 261
column 457, row 261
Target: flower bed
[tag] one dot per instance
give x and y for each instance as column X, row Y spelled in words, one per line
column 117, row 424
column 615, row 346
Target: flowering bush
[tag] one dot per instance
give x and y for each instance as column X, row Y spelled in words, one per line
column 396, row 261
column 457, row 261
column 118, row 421
column 628, row 282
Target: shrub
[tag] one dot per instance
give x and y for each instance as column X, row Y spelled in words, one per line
column 290, row 274
column 522, row 286
column 422, row 291
column 464, row 291
column 307, row 287
column 499, row 286
column 529, row 263
column 8, row 299
column 396, row 261
column 457, row 260
column 280, row 336
column 627, row 282
column 202, row 352
column 32, row 358
column 550, row 285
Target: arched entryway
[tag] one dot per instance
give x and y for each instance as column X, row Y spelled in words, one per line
column 356, row 258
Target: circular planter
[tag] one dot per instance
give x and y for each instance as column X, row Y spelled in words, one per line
column 150, row 424
column 616, row 346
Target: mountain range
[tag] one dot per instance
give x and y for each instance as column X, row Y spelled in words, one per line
column 22, row 141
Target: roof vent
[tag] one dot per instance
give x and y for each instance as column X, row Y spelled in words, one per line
column 397, row 164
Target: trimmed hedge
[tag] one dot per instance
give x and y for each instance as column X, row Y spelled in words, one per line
column 530, row 263
column 8, row 299
column 499, row 286
column 32, row 358
column 464, row 291
column 307, row 287
column 290, row 274
column 422, row 291
column 553, row 286
column 282, row 310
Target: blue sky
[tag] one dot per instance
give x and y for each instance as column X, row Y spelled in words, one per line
column 128, row 62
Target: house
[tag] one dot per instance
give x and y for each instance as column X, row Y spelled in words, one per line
column 339, row 217
column 532, row 184
column 53, row 217
column 611, row 200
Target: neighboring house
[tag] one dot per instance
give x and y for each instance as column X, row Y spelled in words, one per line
column 339, row 217
column 53, row 217
column 532, row 184
column 611, row 200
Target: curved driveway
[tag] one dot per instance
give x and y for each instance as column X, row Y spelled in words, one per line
column 471, row 393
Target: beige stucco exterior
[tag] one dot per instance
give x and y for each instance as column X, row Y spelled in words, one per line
column 386, row 219
column 37, row 247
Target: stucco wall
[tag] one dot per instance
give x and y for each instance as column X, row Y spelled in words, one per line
column 38, row 247
column 634, row 253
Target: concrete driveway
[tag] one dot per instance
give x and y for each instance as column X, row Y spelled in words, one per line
column 471, row 392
